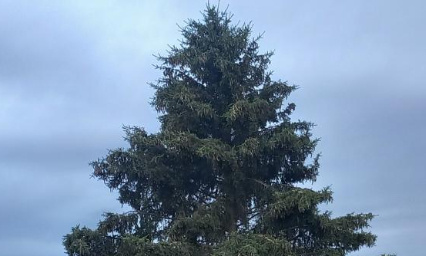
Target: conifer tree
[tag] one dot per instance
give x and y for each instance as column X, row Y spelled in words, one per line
column 221, row 175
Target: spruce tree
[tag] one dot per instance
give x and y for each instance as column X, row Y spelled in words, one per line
column 221, row 175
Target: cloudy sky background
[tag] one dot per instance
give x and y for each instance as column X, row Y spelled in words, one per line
column 72, row 73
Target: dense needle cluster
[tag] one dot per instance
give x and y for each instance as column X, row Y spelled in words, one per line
column 221, row 175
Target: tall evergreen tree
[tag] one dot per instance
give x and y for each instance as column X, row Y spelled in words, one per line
column 221, row 175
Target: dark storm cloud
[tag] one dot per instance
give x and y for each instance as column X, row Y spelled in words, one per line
column 73, row 72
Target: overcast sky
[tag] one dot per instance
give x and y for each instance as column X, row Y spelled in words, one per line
column 72, row 73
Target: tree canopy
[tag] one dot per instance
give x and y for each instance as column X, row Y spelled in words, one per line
column 221, row 176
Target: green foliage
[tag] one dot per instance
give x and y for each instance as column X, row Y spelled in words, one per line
column 254, row 245
column 220, row 176
column 84, row 241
